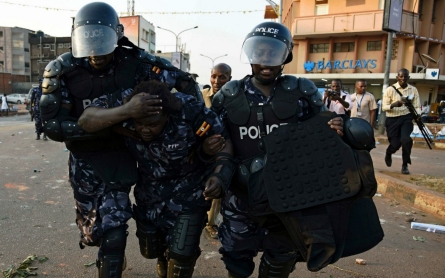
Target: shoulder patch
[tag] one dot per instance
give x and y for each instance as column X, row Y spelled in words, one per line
column 289, row 83
column 202, row 130
column 307, row 87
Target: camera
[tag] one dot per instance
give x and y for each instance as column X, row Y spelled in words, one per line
column 332, row 93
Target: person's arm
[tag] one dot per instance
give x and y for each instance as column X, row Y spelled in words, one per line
column 94, row 119
column 372, row 115
column 388, row 102
column 219, row 181
column 346, row 102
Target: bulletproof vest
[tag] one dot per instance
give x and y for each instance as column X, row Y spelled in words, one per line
column 262, row 120
column 249, row 123
column 86, row 86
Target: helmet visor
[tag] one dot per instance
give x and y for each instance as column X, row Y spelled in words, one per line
column 93, row 40
column 264, row 51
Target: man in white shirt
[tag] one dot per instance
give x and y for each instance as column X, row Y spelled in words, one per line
column 425, row 112
column 337, row 100
column 399, row 120
column 364, row 105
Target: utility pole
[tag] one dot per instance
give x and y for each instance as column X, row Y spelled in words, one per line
column 386, row 80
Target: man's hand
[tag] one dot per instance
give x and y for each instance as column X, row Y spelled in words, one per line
column 213, row 144
column 143, row 105
column 337, row 124
column 213, row 188
column 397, row 104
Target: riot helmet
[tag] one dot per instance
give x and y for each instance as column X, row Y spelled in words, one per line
column 95, row 30
column 359, row 134
column 269, row 44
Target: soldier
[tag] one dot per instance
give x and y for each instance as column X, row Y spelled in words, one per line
column 36, row 94
column 171, row 200
column 251, row 108
column 103, row 62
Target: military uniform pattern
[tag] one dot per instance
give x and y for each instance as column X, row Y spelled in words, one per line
column 99, row 209
column 171, row 176
column 240, row 236
column 36, row 94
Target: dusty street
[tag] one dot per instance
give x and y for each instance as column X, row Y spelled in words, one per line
column 37, row 217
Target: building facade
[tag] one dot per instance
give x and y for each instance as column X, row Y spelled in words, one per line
column 140, row 32
column 44, row 49
column 14, row 58
column 344, row 39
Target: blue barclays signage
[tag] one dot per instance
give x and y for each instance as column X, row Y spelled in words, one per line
column 338, row 64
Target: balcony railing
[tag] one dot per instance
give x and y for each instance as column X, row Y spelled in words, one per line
column 350, row 23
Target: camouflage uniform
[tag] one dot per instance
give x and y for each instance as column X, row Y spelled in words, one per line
column 36, row 94
column 98, row 208
column 170, row 209
column 241, row 236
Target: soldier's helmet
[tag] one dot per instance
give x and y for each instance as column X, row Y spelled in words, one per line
column 95, row 31
column 269, row 44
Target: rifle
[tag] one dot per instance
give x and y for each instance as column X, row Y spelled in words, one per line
column 416, row 117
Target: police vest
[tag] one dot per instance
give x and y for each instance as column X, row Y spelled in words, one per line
column 248, row 123
column 85, row 86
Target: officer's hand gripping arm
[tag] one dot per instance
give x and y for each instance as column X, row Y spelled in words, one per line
column 219, row 181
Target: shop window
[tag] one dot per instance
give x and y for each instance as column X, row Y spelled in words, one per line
column 319, row 48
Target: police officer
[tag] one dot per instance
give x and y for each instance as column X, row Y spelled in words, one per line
column 251, row 108
column 171, row 199
column 103, row 62
column 36, row 94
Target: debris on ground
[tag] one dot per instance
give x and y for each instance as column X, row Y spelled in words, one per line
column 418, row 238
column 25, row 269
column 360, row 261
column 410, row 219
column 428, row 227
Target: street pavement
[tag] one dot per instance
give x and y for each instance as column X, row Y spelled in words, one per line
column 37, row 217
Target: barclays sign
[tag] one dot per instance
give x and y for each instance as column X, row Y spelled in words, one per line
column 341, row 64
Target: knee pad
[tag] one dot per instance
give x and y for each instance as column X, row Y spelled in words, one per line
column 270, row 268
column 149, row 243
column 237, row 268
column 114, row 241
column 186, row 234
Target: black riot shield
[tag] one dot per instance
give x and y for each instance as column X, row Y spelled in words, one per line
column 320, row 188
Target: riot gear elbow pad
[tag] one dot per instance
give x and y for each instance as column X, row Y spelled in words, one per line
column 227, row 170
column 50, row 105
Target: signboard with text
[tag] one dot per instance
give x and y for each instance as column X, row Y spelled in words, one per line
column 392, row 15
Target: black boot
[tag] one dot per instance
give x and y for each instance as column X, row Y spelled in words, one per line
column 38, row 137
column 111, row 266
column 177, row 269
column 44, row 137
column 161, row 267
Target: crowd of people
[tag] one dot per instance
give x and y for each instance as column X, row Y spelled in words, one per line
column 196, row 154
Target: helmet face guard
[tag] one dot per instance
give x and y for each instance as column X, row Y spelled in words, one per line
column 93, row 40
column 95, row 31
column 264, row 51
column 268, row 44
